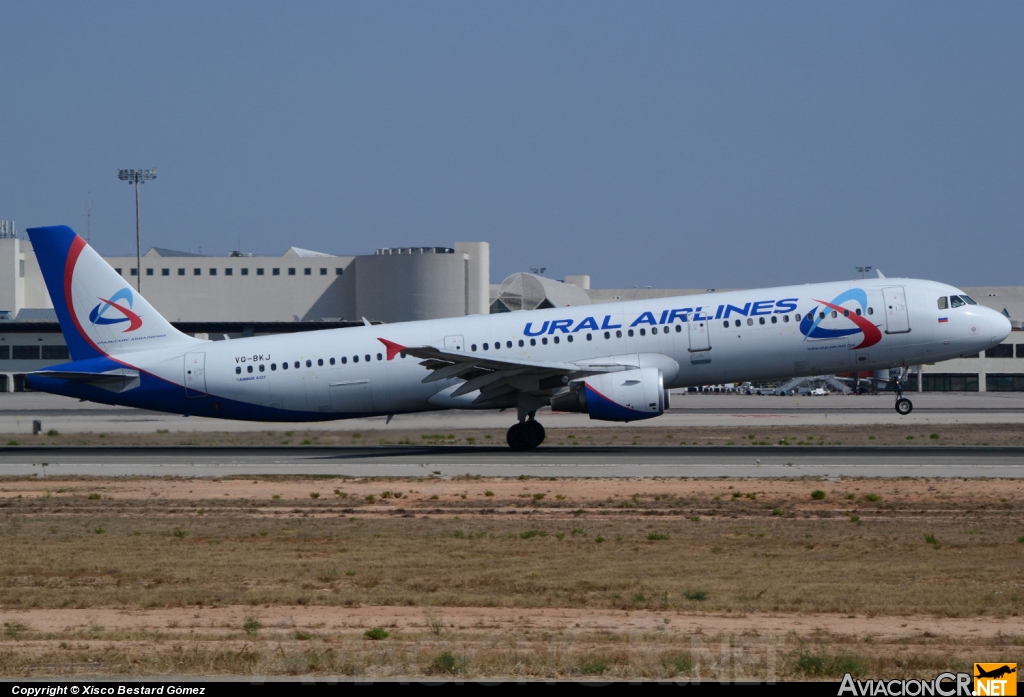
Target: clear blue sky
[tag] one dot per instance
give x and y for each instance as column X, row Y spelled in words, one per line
column 668, row 144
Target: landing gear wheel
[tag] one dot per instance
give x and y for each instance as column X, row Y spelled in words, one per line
column 536, row 431
column 904, row 406
column 525, row 435
column 520, row 438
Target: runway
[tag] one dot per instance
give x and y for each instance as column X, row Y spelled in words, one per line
column 448, row 461
column 18, row 410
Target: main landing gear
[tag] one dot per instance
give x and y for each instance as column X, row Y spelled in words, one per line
column 903, row 405
column 525, row 435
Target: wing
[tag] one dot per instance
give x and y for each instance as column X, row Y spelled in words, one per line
column 495, row 376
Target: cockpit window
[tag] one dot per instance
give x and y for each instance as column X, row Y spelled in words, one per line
column 955, row 301
column 943, row 303
column 968, row 300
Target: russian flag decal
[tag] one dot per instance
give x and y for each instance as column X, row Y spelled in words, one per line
column 943, row 319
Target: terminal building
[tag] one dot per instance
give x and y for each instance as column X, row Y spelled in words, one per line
column 243, row 295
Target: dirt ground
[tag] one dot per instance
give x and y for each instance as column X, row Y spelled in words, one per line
column 872, row 434
column 492, row 577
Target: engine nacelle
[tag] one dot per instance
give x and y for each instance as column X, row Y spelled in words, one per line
column 628, row 395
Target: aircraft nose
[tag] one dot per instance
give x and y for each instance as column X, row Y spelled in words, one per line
column 999, row 325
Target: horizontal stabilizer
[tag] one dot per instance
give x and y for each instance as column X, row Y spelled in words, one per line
column 117, row 380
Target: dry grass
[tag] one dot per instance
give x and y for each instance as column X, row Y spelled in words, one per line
column 661, row 549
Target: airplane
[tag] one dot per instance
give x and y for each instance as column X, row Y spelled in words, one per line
column 614, row 361
column 995, row 672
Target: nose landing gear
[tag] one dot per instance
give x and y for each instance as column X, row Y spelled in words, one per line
column 525, row 435
column 903, row 405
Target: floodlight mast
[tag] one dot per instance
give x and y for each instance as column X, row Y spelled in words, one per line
column 864, row 270
column 136, row 177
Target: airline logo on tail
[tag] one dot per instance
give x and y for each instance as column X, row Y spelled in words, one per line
column 810, row 324
column 98, row 315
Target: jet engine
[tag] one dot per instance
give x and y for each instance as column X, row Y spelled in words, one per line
column 627, row 395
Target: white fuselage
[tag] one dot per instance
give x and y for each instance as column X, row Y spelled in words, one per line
column 695, row 340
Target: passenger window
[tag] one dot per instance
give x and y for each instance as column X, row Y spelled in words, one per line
column 309, row 363
column 508, row 344
column 857, row 311
column 654, row 330
column 955, row 301
column 261, row 368
column 380, row 357
column 643, row 332
column 521, row 344
column 785, row 318
column 846, row 313
column 332, row 361
column 775, row 320
column 737, row 323
column 679, row 328
column 607, row 335
column 344, row 360
column 944, row 302
column 485, row 346
column 544, row 341
column 238, row 370
column 618, row 334
column 273, row 367
column 871, row 310
column 296, row 364
column 569, row 338
column 497, row 345
column 319, row 361
column 557, row 340
column 834, row 314
column 725, row 324
column 821, row 315
column 533, row 342
column 750, row 322
column 284, row 366
column 248, row 368
column 589, row 337
column 630, row 332
column 367, row 357
column 760, row 320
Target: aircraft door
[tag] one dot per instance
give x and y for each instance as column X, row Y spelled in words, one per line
column 454, row 343
column 700, row 340
column 195, row 375
column 897, row 319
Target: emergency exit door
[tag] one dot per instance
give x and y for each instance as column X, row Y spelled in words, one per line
column 700, row 340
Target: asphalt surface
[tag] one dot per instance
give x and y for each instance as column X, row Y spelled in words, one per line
column 418, row 461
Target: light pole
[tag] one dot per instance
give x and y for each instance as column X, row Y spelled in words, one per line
column 864, row 270
column 136, row 177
